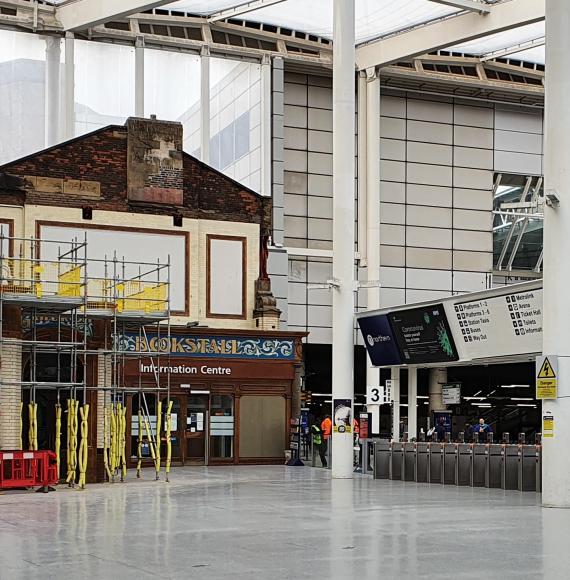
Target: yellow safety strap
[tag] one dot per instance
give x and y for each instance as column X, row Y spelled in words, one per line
column 123, row 440
column 113, row 449
column 106, row 436
column 58, row 436
column 33, row 429
column 168, row 430
column 139, row 445
column 158, row 428
column 84, row 447
column 72, row 455
column 21, row 424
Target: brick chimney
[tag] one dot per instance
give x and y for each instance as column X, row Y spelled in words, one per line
column 154, row 161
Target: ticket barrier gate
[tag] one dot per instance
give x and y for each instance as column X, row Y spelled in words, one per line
column 494, row 466
column 409, row 462
column 508, row 467
column 480, row 464
column 435, row 472
column 529, row 467
column 422, row 462
column 464, row 464
column 382, row 451
column 396, row 460
column 449, row 464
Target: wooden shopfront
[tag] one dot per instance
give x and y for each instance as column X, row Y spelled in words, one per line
column 231, row 394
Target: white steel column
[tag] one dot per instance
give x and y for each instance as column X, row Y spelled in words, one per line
column 362, row 166
column 139, row 77
column 53, row 93
column 69, row 87
column 372, row 216
column 412, row 403
column 556, row 459
column 343, row 225
column 266, row 125
column 437, row 378
column 395, row 403
column 205, row 105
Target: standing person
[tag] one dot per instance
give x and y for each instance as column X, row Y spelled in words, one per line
column 326, row 428
column 440, row 429
column 468, row 433
column 318, row 443
column 481, row 427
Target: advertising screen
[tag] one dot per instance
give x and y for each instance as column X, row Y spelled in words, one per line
column 423, row 335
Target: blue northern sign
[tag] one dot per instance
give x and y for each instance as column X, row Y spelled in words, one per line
column 379, row 340
column 229, row 347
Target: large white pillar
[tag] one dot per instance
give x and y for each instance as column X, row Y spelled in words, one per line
column 52, row 92
column 556, row 459
column 412, row 403
column 205, row 105
column 69, row 87
column 437, row 378
column 372, row 211
column 266, row 125
column 139, row 77
column 395, row 403
column 343, row 225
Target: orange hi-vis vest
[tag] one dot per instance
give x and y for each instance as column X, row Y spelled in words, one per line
column 326, row 427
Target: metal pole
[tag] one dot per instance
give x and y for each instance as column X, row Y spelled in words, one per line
column 395, row 403
column 412, row 403
column 556, row 460
column 343, row 226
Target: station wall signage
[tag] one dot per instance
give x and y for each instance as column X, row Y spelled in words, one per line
column 379, row 340
column 230, row 347
column 509, row 324
column 423, row 335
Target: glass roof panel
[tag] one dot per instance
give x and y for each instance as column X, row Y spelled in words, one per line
column 374, row 18
column 510, row 38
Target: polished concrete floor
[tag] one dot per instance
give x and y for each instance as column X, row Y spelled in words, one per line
column 280, row 523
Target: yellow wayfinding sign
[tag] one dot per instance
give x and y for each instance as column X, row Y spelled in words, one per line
column 547, row 377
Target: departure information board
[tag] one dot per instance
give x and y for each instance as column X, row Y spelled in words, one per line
column 423, row 335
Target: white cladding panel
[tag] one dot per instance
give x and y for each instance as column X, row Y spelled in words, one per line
column 134, row 247
column 226, row 276
column 510, row 324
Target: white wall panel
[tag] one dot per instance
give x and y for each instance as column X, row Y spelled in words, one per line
column 226, row 276
column 523, row 163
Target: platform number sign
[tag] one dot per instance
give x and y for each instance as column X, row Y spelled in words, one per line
column 378, row 394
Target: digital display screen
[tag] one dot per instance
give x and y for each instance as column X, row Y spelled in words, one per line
column 423, row 335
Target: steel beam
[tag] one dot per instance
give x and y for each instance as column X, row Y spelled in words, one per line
column 242, row 8
column 449, row 32
column 471, row 5
column 81, row 14
column 514, row 49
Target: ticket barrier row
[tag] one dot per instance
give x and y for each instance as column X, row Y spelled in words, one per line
column 514, row 467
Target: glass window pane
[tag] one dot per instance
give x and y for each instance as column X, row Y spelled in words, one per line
column 104, row 85
column 22, row 100
column 235, row 120
column 222, row 426
column 172, row 92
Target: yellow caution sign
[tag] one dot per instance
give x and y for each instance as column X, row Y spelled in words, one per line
column 547, row 377
column 548, row 426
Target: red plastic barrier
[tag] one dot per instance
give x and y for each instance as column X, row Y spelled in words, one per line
column 27, row 469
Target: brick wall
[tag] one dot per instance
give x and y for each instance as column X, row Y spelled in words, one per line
column 10, row 394
column 101, row 158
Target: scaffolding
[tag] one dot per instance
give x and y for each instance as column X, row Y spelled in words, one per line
column 59, row 296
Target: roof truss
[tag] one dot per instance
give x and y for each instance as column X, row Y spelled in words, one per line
column 79, row 14
column 449, row 32
column 471, row 5
column 242, row 8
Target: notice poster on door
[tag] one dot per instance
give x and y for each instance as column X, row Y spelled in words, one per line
column 342, row 418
